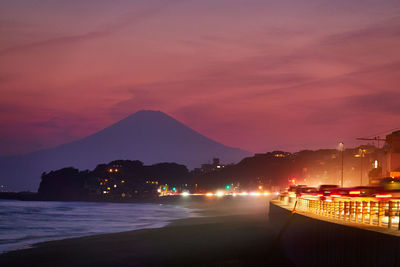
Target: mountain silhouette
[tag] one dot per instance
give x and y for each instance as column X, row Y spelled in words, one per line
column 148, row 136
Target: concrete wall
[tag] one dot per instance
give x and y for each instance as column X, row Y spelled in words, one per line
column 311, row 242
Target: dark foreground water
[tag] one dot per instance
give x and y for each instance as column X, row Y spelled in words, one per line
column 23, row 223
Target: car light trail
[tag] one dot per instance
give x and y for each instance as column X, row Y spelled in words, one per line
column 384, row 196
column 220, row 194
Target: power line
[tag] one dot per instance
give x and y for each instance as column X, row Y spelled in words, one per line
column 391, row 130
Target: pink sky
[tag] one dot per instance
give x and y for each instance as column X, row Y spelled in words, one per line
column 259, row 75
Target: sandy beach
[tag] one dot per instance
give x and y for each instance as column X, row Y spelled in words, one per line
column 228, row 232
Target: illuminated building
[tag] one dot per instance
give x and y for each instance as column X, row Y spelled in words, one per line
column 392, row 160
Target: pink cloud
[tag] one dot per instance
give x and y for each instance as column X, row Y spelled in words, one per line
column 256, row 75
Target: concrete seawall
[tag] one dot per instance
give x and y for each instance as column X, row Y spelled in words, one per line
column 312, row 242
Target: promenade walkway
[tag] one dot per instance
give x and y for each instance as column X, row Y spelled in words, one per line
column 379, row 215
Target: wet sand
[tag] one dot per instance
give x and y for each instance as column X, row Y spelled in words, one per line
column 230, row 232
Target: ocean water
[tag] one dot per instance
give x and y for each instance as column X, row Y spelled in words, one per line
column 23, row 223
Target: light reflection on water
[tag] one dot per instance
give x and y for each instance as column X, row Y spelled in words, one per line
column 23, row 223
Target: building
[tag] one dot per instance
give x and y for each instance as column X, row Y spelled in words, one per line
column 209, row 167
column 392, row 157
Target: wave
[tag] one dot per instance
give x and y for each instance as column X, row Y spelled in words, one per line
column 24, row 223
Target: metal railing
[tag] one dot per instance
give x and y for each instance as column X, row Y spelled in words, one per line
column 369, row 211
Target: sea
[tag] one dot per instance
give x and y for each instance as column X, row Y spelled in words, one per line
column 23, row 223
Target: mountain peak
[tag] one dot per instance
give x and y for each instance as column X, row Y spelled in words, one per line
column 147, row 114
column 144, row 112
column 147, row 135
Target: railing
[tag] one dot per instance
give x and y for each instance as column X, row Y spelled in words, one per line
column 369, row 211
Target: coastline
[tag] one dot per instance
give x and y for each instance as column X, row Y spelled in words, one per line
column 228, row 232
column 23, row 224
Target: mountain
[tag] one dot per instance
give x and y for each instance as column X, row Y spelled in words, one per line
column 148, row 136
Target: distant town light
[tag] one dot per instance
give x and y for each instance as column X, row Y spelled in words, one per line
column 110, row 170
column 115, row 185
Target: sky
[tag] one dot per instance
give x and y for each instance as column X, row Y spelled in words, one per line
column 259, row 75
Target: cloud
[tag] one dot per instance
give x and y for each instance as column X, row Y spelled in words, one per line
column 380, row 31
column 366, row 106
column 104, row 31
column 385, row 103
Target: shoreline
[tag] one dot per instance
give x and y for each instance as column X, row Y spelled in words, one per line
column 195, row 211
column 27, row 243
column 227, row 232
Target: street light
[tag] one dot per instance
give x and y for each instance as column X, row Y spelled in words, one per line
column 362, row 154
column 341, row 148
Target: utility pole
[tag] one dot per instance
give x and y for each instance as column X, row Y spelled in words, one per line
column 362, row 152
column 361, row 158
column 341, row 146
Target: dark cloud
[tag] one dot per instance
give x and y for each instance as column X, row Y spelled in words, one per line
column 384, row 103
column 380, row 31
column 367, row 106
